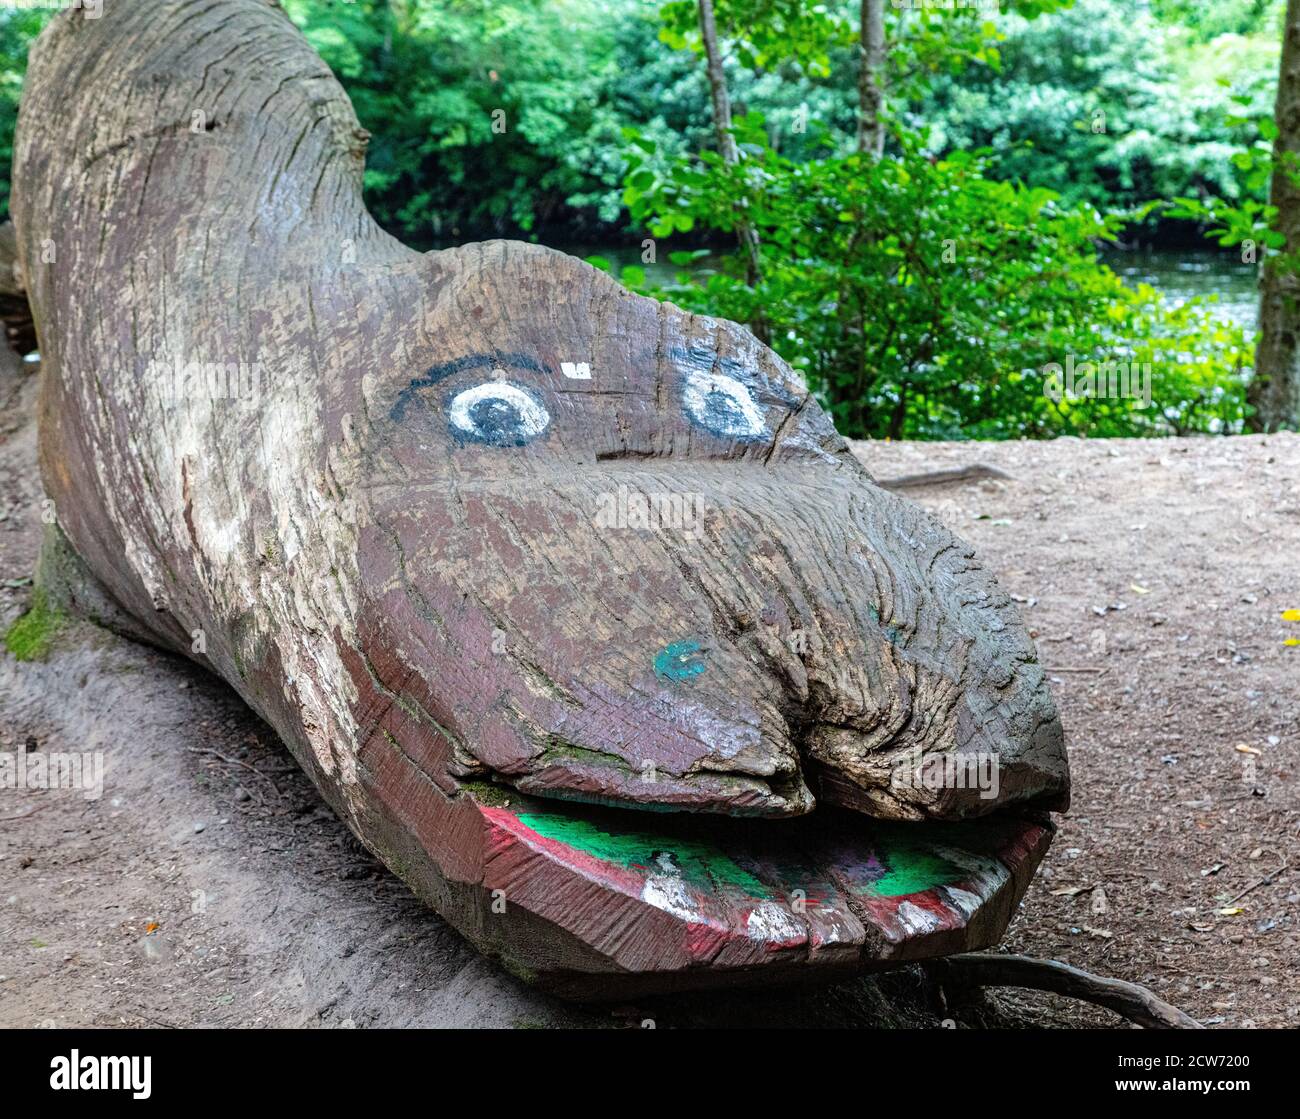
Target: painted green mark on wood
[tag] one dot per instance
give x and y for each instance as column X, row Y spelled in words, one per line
column 700, row 864
column 911, row 870
column 891, row 632
column 679, row 661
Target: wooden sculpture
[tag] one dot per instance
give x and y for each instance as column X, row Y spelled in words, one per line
column 573, row 605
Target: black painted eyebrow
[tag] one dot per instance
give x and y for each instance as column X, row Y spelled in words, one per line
column 436, row 373
column 707, row 359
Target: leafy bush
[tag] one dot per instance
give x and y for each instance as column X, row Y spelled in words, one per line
column 923, row 299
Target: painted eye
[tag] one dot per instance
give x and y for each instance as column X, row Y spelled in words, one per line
column 723, row 405
column 499, row 414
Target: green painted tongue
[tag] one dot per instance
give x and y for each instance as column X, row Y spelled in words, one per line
column 698, row 862
column 867, row 858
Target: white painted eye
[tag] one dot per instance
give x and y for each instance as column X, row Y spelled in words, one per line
column 498, row 413
column 723, row 405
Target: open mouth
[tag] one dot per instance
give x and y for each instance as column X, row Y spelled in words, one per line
column 592, row 902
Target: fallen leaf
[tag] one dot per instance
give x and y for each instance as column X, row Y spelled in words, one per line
column 1231, row 911
column 1291, row 615
column 1139, row 590
column 151, row 927
column 1242, row 748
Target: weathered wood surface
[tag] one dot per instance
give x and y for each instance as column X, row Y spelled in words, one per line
column 399, row 502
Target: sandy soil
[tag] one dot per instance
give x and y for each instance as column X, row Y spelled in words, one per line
column 210, row 886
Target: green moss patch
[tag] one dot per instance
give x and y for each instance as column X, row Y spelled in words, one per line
column 30, row 637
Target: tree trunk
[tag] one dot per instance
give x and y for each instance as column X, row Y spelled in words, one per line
column 400, row 502
column 1275, row 390
column 746, row 234
column 871, row 131
column 718, row 92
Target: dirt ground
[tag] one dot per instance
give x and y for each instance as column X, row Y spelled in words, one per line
column 210, row 885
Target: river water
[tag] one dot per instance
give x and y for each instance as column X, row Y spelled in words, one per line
column 1189, row 273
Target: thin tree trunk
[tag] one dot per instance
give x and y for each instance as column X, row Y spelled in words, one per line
column 717, row 83
column 1275, row 390
column 746, row 234
column 871, row 97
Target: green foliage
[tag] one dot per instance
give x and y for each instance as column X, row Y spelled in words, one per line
column 487, row 116
column 1223, row 17
column 1251, row 223
column 1105, row 105
column 923, row 299
column 764, row 33
column 18, row 27
column 922, row 294
column 570, row 75
column 926, row 43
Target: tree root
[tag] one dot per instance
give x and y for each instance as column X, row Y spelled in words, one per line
column 990, row 969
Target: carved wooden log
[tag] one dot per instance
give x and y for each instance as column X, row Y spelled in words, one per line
column 502, row 550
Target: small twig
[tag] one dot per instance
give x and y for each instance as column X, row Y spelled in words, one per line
column 942, row 477
column 1267, row 880
column 236, row 761
column 1068, row 668
column 989, row 969
column 24, row 815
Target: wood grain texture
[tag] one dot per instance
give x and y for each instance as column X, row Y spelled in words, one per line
column 480, row 516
